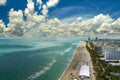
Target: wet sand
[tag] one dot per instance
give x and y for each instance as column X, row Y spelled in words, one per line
column 81, row 57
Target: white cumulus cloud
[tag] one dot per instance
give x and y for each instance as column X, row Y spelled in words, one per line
column 49, row 4
column 52, row 3
column 39, row 2
column 3, row 2
column 98, row 25
column 32, row 16
column 19, row 26
column 37, row 24
column 104, row 28
column 30, row 5
column 16, row 23
column 44, row 10
column 2, row 26
column 16, row 16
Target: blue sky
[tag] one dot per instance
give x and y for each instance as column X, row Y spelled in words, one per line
column 68, row 8
column 87, row 8
column 59, row 17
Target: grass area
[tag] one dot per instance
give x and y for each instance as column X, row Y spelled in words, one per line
column 102, row 68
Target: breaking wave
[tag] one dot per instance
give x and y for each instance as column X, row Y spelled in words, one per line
column 67, row 50
column 74, row 44
column 41, row 72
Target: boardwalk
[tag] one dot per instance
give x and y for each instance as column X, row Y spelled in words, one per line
column 81, row 57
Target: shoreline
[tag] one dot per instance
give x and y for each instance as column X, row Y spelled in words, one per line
column 80, row 57
column 70, row 62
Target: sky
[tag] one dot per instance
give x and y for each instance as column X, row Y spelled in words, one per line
column 37, row 13
column 68, row 8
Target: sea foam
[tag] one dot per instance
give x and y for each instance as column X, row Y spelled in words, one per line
column 67, row 50
column 41, row 72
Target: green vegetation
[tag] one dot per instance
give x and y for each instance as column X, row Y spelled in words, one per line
column 102, row 68
column 115, row 69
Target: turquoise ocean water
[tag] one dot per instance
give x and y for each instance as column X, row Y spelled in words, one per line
column 36, row 58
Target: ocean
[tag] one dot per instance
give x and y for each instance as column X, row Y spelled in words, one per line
column 36, row 58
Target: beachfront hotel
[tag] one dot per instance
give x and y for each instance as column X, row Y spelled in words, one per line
column 109, row 49
column 112, row 54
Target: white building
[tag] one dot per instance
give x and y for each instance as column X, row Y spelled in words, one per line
column 109, row 56
column 84, row 71
column 112, row 54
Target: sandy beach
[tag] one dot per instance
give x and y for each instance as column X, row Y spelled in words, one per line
column 81, row 57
